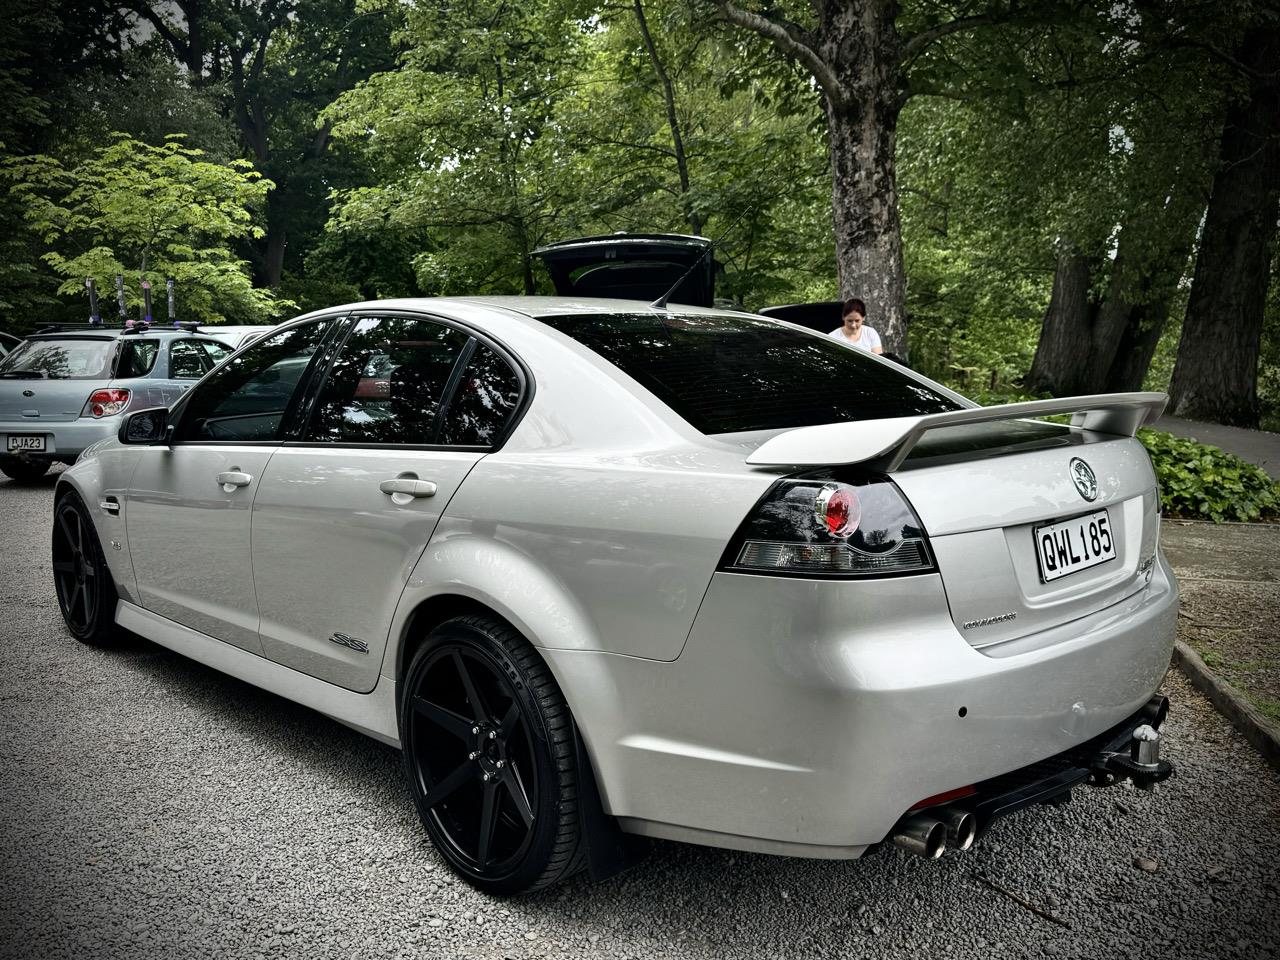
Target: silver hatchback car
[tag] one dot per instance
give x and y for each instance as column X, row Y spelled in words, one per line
column 606, row 571
column 63, row 389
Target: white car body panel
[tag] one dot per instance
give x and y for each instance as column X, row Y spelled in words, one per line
column 191, row 553
column 323, row 505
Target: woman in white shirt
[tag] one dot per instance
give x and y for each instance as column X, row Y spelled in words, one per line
column 855, row 331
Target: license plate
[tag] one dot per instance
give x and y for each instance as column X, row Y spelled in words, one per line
column 1069, row 546
column 26, row 441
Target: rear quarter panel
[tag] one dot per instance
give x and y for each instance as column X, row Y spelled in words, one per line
column 589, row 554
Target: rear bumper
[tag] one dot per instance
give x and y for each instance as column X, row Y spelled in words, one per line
column 807, row 717
column 64, row 439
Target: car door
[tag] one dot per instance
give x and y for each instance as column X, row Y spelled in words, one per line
column 188, row 510
column 344, row 511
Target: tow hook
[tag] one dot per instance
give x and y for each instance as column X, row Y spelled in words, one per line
column 1142, row 765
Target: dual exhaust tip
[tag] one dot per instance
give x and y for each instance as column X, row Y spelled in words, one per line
column 931, row 834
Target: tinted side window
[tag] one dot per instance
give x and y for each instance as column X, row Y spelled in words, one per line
column 185, row 361
column 724, row 374
column 247, row 399
column 387, row 383
column 485, row 399
column 137, row 357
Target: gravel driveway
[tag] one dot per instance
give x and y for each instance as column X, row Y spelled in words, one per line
column 155, row 808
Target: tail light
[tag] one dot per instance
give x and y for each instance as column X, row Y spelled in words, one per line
column 105, row 403
column 818, row 525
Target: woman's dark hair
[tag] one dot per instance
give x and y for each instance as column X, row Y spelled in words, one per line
column 852, row 304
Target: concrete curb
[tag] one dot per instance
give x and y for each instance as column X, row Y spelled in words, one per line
column 1231, row 703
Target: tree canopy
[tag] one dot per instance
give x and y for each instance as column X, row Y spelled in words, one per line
column 1028, row 195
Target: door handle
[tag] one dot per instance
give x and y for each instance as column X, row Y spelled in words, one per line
column 232, row 479
column 408, row 487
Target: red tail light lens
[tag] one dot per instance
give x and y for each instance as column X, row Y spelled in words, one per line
column 838, row 508
column 820, row 525
column 105, row 403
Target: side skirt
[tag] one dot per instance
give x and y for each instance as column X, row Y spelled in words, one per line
column 373, row 714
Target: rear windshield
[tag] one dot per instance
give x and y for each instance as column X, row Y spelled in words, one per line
column 60, row 359
column 725, row 374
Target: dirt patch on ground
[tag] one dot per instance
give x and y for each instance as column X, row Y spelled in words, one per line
column 1230, row 580
column 1235, row 627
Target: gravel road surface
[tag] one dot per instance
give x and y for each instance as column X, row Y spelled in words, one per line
column 153, row 808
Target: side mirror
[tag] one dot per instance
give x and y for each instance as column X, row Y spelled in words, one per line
column 147, row 427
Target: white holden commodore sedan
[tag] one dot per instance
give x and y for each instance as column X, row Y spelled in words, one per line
column 605, row 571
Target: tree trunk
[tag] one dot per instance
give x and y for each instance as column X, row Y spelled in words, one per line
column 1216, row 374
column 856, row 57
column 1060, row 366
column 862, row 44
column 868, row 232
column 1137, row 346
column 273, row 257
column 1143, row 303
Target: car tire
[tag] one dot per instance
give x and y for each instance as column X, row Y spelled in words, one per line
column 495, row 782
column 23, row 471
column 86, row 593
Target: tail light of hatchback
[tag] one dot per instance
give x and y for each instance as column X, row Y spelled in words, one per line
column 824, row 526
column 105, row 403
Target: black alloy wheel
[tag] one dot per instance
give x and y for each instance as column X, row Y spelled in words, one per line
column 23, row 471
column 488, row 743
column 86, row 592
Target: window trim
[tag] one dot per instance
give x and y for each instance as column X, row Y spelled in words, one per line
column 178, row 412
column 524, row 378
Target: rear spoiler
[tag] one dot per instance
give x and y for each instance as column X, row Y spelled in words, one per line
column 884, row 444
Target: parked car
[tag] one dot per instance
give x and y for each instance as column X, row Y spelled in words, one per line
column 604, row 571
column 64, row 389
column 633, row 266
column 235, row 336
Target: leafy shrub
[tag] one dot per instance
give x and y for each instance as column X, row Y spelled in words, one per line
column 1200, row 482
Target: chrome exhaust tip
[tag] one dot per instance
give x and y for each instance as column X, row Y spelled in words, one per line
column 921, row 835
column 962, row 829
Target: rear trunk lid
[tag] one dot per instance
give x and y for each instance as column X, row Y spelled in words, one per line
column 47, row 380
column 1032, row 524
column 633, row 267
column 988, row 520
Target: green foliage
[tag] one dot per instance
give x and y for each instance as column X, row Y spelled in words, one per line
column 498, row 133
column 149, row 212
column 1200, row 482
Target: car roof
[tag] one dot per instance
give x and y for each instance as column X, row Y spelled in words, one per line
column 533, row 307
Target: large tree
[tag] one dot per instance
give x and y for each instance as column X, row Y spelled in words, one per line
column 1216, row 374
column 275, row 65
column 860, row 54
column 148, row 213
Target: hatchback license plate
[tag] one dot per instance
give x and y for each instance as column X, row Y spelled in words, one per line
column 1072, row 545
column 26, row 442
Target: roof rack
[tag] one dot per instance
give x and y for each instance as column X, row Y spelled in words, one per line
column 138, row 326
column 59, row 327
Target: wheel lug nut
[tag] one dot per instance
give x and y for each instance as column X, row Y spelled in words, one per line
column 493, row 734
column 472, row 755
column 475, row 729
column 486, row 778
column 501, row 764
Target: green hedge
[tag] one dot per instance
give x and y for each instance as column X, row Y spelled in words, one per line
column 1200, row 482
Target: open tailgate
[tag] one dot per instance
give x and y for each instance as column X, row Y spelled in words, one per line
column 884, row 444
